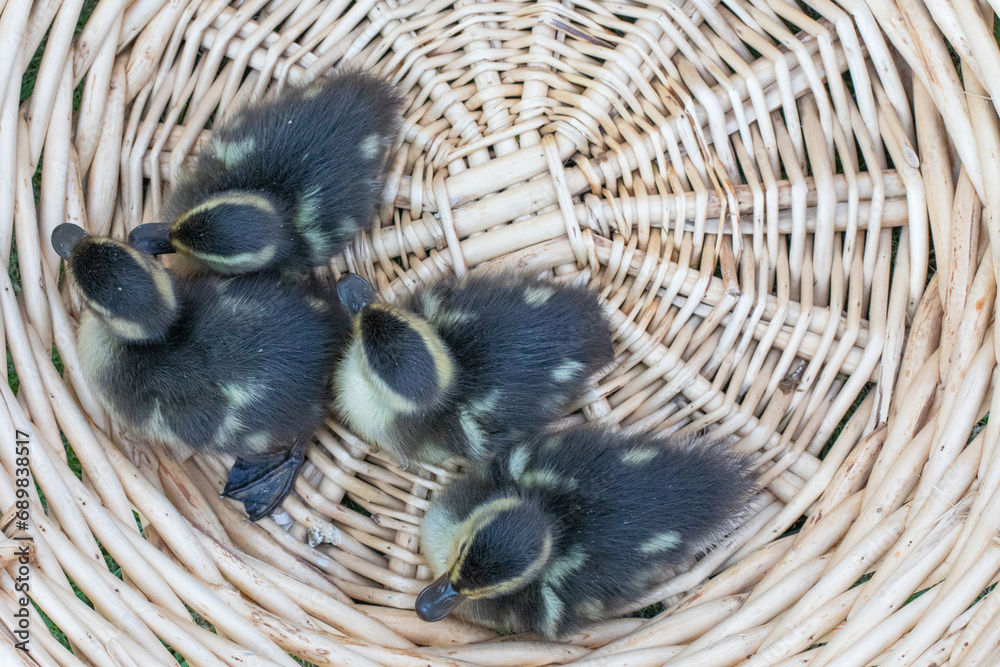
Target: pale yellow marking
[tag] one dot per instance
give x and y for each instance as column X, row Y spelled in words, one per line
column 368, row 405
column 312, row 90
column 591, row 608
column 567, row 370
column 552, row 607
column 537, row 296
column 431, row 305
column 437, row 535
column 639, row 456
column 316, row 240
column 239, row 396
column 486, row 404
column 308, row 223
column 660, row 543
column 518, row 460
column 234, row 198
column 555, row 442
column 370, row 146
column 231, row 153
column 348, row 222
column 258, row 441
column 157, row 428
column 450, row 318
column 561, row 568
column 548, row 479
column 473, row 433
column 317, row 303
column 128, row 330
column 231, row 424
column 241, row 263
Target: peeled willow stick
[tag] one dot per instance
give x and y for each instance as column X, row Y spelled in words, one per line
column 770, row 604
column 734, row 579
column 804, row 635
column 812, row 542
column 955, row 593
column 210, row 607
column 897, row 589
column 290, row 594
column 94, row 459
column 868, row 645
column 841, row 576
column 511, row 654
column 675, row 627
column 947, row 497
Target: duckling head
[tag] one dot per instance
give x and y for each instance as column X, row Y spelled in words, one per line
column 131, row 293
column 400, row 358
column 230, row 232
column 503, row 546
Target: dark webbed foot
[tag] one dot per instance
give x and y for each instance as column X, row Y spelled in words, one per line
column 355, row 293
column 263, row 481
column 153, row 238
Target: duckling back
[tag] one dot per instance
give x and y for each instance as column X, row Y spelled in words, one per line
column 245, row 369
column 620, row 510
column 475, row 361
column 287, row 182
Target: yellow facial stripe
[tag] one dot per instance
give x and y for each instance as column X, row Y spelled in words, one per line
column 126, row 329
column 230, row 198
column 238, row 263
column 481, row 517
column 510, row 585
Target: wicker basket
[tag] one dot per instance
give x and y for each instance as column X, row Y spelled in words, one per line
column 790, row 211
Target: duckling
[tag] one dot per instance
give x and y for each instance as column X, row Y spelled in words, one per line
column 285, row 183
column 566, row 529
column 465, row 363
column 239, row 365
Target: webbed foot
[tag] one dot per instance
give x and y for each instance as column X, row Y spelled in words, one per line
column 261, row 482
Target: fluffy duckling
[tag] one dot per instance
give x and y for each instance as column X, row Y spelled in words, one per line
column 238, row 365
column 466, row 362
column 566, row 529
column 285, row 183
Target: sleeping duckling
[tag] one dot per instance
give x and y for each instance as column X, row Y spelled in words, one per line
column 566, row 529
column 466, row 362
column 239, row 365
column 285, row 183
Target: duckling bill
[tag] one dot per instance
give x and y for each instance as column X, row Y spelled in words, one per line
column 565, row 529
column 283, row 184
column 466, row 363
column 239, row 365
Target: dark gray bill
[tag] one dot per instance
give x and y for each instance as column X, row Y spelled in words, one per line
column 65, row 237
column 438, row 600
column 153, row 238
column 355, row 293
